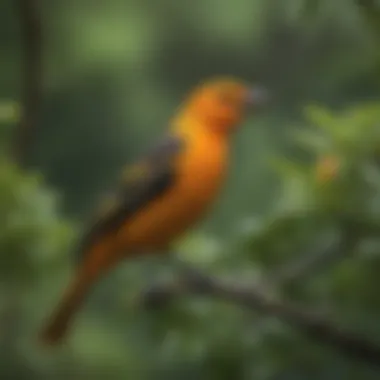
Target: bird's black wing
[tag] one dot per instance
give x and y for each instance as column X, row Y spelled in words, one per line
column 140, row 184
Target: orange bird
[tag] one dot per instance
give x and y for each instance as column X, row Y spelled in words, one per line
column 164, row 193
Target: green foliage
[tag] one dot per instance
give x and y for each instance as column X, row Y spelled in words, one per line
column 311, row 216
column 32, row 233
column 34, row 242
column 352, row 137
column 353, row 132
column 114, row 74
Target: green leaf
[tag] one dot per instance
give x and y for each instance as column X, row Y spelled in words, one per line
column 9, row 111
column 287, row 168
column 321, row 118
column 316, row 142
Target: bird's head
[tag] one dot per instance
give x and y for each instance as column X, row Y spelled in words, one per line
column 223, row 103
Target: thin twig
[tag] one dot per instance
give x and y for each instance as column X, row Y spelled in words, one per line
column 306, row 265
column 31, row 79
column 310, row 323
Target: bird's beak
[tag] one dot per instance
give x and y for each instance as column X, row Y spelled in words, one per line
column 258, row 97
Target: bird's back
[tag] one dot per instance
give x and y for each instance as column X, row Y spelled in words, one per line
column 200, row 169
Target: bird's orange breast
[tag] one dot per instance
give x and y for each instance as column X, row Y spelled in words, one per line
column 200, row 172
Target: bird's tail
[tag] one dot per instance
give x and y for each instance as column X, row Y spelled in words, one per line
column 60, row 321
column 96, row 264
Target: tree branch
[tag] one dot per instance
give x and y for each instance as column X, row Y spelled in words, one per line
column 32, row 77
column 308, row 264
column 310, row 323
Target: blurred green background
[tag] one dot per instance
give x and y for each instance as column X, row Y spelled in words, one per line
column 113, row 74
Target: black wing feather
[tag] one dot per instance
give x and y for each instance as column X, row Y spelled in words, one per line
column 140, row 184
